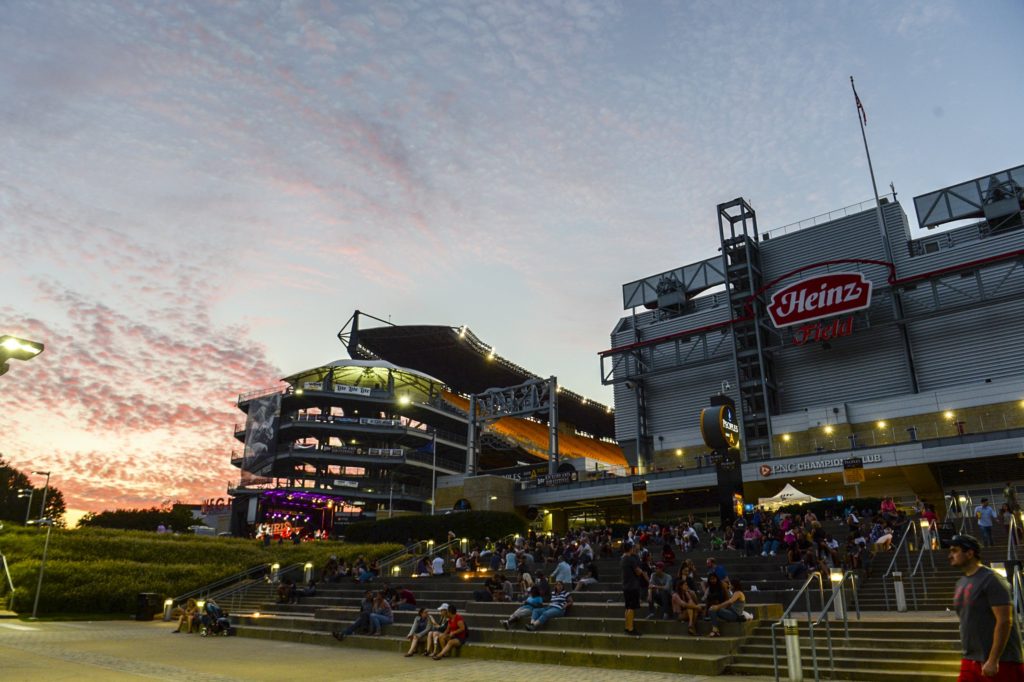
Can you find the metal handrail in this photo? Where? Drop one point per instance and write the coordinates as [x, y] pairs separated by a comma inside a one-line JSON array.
[[235, 593], [1011, 539], [1017, 599], [837, 590], [247, 574], [902, 548], [400, 557], [918, 566], [807, 605]]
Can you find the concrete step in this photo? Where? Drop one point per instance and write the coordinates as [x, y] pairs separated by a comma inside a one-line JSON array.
[[921, 662], [493, 633], [701, 664]]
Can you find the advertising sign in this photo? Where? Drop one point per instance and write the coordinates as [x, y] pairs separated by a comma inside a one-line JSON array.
[[815, 298], [639, 492], [719, 427]]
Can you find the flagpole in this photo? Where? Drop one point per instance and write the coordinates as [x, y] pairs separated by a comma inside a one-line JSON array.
[[433, 473], [861, 118], [886, 246]]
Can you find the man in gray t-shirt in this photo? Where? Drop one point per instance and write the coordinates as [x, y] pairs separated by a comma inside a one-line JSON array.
[[988, 639]]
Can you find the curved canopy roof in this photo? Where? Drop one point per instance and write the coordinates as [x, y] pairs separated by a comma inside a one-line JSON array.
[[466, 365]]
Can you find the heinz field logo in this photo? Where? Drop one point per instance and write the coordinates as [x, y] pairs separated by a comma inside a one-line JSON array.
[[814, 298]]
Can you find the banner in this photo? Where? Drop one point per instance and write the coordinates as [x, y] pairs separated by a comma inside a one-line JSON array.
[[639, 492], [357, 390], [261, 432]]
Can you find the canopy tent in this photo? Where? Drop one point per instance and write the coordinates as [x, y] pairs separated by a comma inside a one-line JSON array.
[[788, 495]]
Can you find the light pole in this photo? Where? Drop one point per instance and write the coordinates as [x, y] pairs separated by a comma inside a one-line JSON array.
[[27, 492], [46, 488], [42, 566]]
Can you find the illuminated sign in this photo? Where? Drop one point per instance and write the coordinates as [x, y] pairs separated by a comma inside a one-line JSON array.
[[767, 470], [816, 298], [719, 427]]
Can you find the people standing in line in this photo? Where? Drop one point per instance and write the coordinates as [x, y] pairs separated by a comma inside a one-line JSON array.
[[989, 642], [986, 516], [634, 580]]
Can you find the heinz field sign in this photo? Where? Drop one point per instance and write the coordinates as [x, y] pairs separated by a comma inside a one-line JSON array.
[[815, 298]]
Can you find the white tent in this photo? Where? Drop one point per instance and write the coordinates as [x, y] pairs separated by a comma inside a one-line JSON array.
[[788, 495]]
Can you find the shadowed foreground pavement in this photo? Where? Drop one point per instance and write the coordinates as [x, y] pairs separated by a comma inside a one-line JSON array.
[[126, 650]]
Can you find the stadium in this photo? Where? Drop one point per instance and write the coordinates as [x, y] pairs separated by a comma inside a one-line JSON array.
[[843, 343]]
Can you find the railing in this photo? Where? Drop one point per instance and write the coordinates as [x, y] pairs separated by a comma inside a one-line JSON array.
[[390, 561], [825, 217], [257, 571], [919, 566], [1017, 594], [837, 593], [1011, 539], [960, 506], [909, 534], [231, 598], [805, 593]]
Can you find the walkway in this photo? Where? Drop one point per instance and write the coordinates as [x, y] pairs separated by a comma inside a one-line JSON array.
[[125, 650]]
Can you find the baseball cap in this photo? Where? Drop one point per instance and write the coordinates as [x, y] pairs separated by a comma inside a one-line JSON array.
[[442, 607], [964, 542]]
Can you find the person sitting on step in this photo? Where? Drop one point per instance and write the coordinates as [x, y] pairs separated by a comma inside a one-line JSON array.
[[421, 627], [455, 636], [560, 602], [362, 621], [439, 627], [659, 592], [534, 600], [685, 606], [730, 610]]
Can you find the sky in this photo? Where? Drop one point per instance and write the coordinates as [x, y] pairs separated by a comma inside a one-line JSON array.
[[195, 196]]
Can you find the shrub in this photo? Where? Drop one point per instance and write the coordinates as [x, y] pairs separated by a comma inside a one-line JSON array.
[[475, 525], [103, 571]]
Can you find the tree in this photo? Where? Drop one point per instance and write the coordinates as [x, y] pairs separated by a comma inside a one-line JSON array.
[[13, 507], [177, 518]]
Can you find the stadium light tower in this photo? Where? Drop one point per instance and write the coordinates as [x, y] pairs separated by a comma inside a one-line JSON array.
[[13, 348]]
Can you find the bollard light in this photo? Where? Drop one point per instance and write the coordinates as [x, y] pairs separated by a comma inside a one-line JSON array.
[[201, 604], [255, 614], [836, 575], [395, 570], [962, 499], [168, 607]]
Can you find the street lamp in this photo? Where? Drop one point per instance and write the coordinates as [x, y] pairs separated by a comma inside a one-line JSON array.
[[13, 348], [42, 567], [46, 488], [27, 492]]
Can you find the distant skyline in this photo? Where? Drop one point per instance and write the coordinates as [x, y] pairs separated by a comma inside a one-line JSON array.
[[195, 196]]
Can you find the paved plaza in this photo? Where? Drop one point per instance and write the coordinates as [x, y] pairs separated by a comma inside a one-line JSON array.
[[126, 650]]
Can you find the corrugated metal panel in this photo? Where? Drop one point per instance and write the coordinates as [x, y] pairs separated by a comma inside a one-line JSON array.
[[625, 413], [854, 236], [675, 399], [868, 364], [973, 345]]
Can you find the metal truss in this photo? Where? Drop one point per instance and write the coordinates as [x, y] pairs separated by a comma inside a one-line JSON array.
[[522, 400], [646, 359], [688, 280]]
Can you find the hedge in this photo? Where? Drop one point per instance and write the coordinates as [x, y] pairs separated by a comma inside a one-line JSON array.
[[475, 525], [103, 571]]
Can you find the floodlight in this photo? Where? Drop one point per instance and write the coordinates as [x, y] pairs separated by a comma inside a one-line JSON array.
[[13, 348]]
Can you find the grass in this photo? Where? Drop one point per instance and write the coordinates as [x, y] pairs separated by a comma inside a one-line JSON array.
[[96, 571]]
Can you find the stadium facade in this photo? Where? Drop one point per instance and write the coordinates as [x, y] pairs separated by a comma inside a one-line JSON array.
[[839, 337], [841, 341]]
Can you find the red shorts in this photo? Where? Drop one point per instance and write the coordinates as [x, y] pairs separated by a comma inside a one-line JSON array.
[[970, 671]]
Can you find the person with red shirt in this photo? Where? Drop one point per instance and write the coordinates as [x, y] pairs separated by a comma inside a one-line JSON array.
[[455, 636]]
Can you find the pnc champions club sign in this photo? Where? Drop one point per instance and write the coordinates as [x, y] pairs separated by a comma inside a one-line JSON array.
[[805, 303]]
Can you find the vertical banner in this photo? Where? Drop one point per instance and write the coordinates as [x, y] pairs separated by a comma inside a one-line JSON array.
[[261, 432]]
